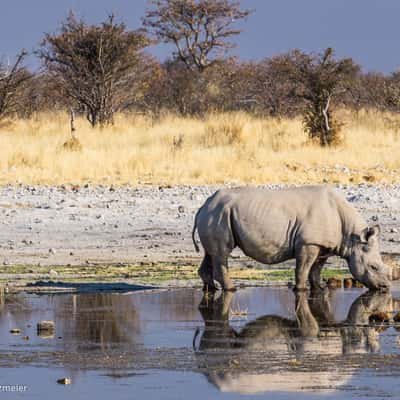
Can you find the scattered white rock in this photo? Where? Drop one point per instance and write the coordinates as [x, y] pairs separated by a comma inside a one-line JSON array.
[[141, 216], [45, 326]]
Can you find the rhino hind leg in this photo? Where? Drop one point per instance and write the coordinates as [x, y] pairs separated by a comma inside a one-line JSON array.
[[220, 269], [206, 274], [306, 256], [315, 273]]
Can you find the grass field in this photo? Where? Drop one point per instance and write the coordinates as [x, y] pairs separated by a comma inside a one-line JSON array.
[[222, 148]]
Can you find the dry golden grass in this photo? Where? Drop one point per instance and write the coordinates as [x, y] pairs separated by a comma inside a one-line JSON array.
[[234, 148]]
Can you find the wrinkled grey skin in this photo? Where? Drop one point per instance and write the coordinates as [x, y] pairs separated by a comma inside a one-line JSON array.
[[309, 223]]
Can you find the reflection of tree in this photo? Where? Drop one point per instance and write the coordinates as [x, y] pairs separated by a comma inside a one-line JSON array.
[[174, 305], [97, 320], [16, 308]]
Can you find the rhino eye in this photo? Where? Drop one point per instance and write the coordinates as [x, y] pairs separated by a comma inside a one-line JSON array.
[[374, 267]]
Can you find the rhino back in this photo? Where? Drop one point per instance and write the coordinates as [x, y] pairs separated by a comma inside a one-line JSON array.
[[268, 224]]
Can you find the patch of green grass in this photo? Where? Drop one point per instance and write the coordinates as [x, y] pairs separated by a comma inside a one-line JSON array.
[[332, 273], [288, 274], [283, 274], [151, 273]]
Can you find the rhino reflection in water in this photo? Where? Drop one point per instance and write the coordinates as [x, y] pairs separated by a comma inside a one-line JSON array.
[[277, 345]]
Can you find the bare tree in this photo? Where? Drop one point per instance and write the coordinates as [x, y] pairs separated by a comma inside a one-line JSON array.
[[268, 88], [322, 78], [12, 79], [393, 91], [198, 29], [41, 94], [100, 67], [371, 90]]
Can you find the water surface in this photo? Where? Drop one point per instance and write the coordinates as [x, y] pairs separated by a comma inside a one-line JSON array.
[[171, 343]]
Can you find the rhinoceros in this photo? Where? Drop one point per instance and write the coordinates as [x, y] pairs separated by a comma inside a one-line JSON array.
[[309, 223]]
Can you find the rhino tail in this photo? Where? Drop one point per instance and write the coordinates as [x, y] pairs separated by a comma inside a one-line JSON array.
[[195, 337], [196, 246]]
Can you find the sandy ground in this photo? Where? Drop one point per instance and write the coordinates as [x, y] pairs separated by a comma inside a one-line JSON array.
[[103, 225]]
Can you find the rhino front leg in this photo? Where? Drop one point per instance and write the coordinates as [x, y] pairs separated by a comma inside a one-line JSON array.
[[214, 308], [308, 325], [315, 273], [306, 256], [220, 268]]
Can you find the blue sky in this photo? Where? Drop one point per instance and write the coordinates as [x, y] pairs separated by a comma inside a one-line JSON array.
[[367, 30]]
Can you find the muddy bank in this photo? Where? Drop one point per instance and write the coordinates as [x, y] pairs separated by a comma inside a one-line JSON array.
[[88, 225], [110, 278]]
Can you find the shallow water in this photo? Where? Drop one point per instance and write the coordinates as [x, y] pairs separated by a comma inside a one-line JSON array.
[[171, 344]]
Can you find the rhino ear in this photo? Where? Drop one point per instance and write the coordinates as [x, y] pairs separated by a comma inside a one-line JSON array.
[[370, 235]]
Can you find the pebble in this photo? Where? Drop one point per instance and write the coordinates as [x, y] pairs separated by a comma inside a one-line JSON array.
[[334, 283], [357, 284], [379, 317], [45, 326], [64, 381], [348, 283]]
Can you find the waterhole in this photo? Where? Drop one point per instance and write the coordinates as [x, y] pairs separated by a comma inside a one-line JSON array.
[[174, 343]]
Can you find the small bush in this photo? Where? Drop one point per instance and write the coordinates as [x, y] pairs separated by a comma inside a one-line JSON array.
[[315, 125], [72, 144]]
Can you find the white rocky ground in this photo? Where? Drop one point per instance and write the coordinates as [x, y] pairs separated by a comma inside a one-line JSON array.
[[66, 225]]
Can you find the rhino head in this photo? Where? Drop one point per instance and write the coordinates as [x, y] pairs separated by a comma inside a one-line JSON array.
[[365, 261]]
